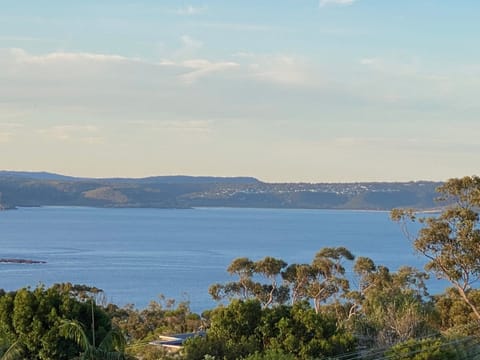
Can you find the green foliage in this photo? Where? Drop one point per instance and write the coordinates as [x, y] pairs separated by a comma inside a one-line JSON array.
[[9, 351], [246, 288], [244, 329], [450, 240], [320, 281], [111, 348], [164, 317], [453, 313], [158, 318], [328, 275], [270, 355], [389, 307], [297, 278], [33, 318], [309, 334], [435, 349]]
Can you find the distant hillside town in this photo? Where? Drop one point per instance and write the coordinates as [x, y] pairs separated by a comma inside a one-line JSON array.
[[24, 189]]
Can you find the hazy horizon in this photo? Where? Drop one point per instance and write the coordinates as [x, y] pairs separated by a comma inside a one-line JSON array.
[[289, 91]]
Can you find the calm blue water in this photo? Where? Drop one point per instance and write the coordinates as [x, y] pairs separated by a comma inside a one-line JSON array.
[[136, 254]]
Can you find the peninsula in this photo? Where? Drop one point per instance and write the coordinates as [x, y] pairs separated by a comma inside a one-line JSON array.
[[25, 189]]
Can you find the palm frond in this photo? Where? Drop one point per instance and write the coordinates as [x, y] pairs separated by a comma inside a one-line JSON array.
[[113, 341], [73, 330], [14, 352]]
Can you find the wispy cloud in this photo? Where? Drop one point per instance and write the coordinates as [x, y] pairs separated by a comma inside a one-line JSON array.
[[96, 87], [201, 67], [22, 56], [73, 133], [278, 68], [189, 10], [238, 26], [323, 3], [86, 69], [401, 67]]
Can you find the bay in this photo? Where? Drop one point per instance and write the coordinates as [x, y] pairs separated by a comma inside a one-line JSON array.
[[135, 255]]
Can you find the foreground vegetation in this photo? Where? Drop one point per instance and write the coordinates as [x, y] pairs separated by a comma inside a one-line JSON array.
[[275, 310]]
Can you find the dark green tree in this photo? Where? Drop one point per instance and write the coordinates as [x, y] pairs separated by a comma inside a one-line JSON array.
[[308, 334], [435, 348], [245, 328], [232, 332], [33, 317]]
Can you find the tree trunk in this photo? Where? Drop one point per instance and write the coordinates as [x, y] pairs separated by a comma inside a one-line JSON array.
[[467, 300]]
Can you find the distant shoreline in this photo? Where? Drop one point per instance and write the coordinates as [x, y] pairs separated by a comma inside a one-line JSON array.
[[186, 192], [418, 211]]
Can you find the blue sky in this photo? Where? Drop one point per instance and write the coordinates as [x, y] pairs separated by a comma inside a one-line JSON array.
[[294, 90]]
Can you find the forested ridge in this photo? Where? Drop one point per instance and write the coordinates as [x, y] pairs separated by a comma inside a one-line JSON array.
[[275, 310], [42, 189]]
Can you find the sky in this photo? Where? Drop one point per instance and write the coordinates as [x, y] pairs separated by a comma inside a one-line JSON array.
[[285, 91]]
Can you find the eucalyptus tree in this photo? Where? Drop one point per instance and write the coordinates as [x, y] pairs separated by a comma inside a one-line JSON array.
[[450, 241], [367, 276], [454, 314], [271, 269], [319, 281], [387, 307], [327, 278], [297, 277], [243, 268], [248, 285]]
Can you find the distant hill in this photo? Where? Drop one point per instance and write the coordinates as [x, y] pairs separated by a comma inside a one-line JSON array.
[[170, 179], [44, 189], [41, 175]]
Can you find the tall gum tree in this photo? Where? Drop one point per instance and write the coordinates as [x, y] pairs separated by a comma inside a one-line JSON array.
[[328, 274], [451, 240], [270, 268]]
